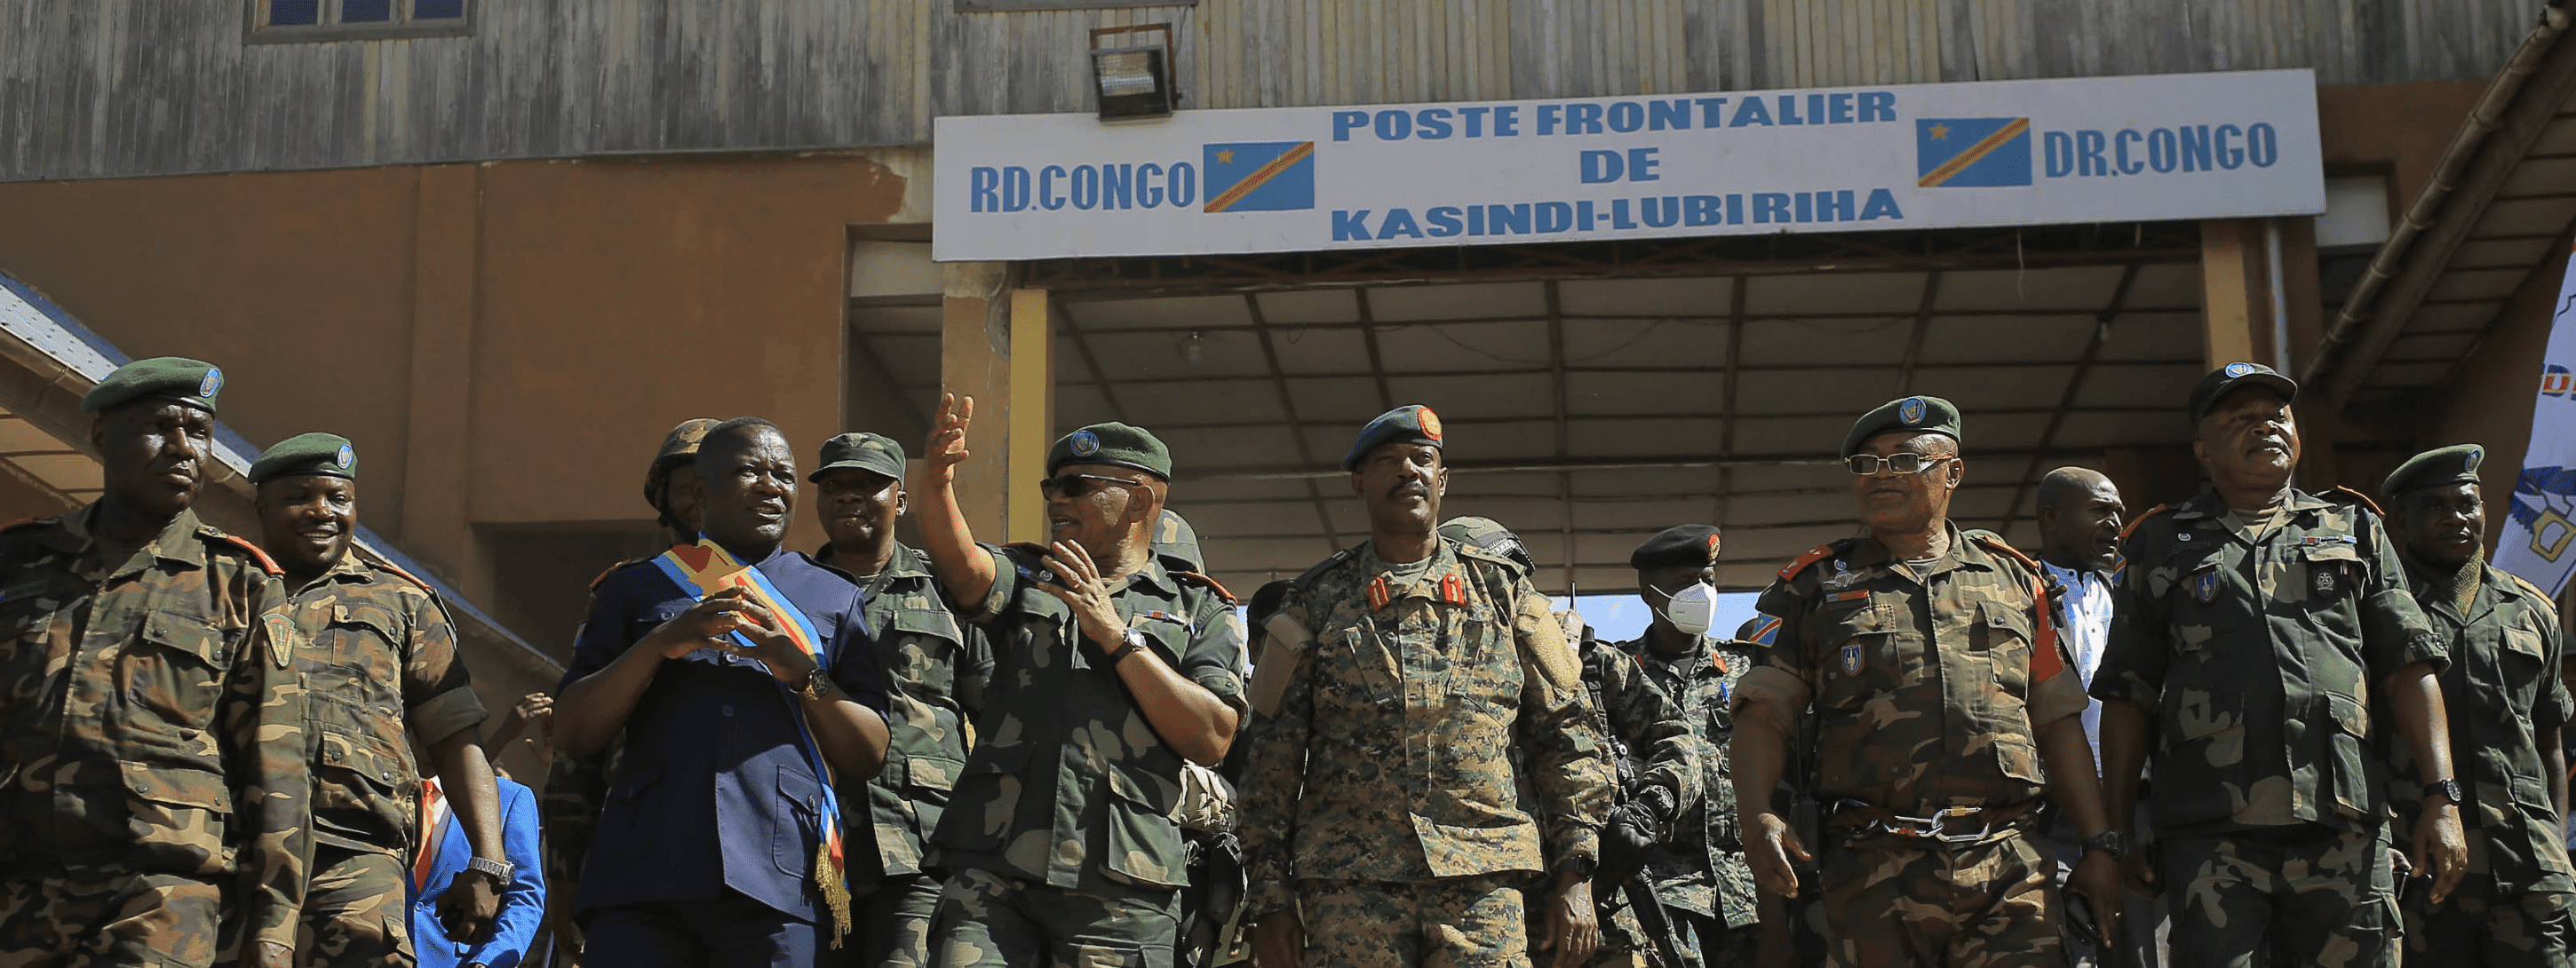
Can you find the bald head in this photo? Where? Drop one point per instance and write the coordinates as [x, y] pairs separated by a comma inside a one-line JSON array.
[[2079, 519]]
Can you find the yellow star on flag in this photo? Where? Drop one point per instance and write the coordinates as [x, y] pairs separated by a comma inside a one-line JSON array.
[[1940, 132], [1225, 157]]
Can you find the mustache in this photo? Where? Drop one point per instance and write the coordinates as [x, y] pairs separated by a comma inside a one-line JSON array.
[[1409, 487]]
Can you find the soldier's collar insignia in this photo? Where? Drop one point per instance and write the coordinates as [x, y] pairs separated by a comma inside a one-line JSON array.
[[212, 384], [1085, 443], [1911, 411], [2235, 370]]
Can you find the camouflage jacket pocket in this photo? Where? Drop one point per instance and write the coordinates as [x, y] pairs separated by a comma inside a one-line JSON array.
[[2353, 771], [2329, 573], [179, 818], [1144, 844], [362, 791], [2003, 634], [987, 795], [174, 670], [2203, 754], [924, 772], [1857, 653]]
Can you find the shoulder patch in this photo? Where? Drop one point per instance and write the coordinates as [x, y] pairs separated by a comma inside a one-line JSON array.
[[1307, 579], [222, 537], [2142, 519], [1544, 641], [1813, 555], [2345, 495], [1202, 581], [1995, 543]]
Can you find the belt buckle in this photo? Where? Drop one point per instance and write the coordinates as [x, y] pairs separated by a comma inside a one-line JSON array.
[[1940, 824]]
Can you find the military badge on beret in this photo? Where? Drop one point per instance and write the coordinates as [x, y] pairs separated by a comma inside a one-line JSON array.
[[2235, 370], [2476, 456], [1911, 411], [213, 382], [1430, 424], [1851, 658], [1085, 443], [346, 458]]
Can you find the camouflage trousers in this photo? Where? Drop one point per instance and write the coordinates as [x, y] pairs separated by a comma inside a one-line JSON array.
[[990, 920], [157, 920], [894, 922], [2534, 928], [355, 911], [1452, 922], [1901, 902], [2305, 895], [1624, 943]]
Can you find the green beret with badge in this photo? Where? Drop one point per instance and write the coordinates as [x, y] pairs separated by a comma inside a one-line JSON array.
[[1679, 546], [2235, 376], [2456, 464], [874, 453], [1115, 444], [1931, 415], [1411, 423], [177, 379], [313, 453]]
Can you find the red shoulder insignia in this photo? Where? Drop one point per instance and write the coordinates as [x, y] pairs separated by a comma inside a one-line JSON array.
[[2142, 519], [1997, 545], [1203, 581], [1819, 553], [2345, 495], [405, 575], [265, 562]]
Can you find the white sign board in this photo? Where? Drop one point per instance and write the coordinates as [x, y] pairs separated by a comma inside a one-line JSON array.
[[2104, 149]]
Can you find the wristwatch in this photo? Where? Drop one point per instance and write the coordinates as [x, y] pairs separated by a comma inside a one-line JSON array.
[[2110, 842], [1130, 642], [818, 684], [2447, 788], [500, 871]]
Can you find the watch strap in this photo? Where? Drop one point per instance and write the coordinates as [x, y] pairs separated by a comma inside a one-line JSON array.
[[817, 685], [499, 871], [1128, 644]]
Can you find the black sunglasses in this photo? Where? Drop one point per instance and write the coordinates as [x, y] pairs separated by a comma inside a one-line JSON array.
[[1073, 486]]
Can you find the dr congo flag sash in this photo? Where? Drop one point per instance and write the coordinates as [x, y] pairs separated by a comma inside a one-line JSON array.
[[704, 569]]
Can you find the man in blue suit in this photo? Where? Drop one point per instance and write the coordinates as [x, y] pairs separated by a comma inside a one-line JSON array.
[[739, 716], [443, 854]]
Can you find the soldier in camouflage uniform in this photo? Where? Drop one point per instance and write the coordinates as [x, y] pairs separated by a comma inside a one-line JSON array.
[[1700, 871], [1422, 756], [1110, 669], [2507, 705], [1940, 689], [380, 672], [2249, 629], [576, 786], [936, 671], [1660, 776], [155, 781]]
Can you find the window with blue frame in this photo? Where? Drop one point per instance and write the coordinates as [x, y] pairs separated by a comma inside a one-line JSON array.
[[292, 20]]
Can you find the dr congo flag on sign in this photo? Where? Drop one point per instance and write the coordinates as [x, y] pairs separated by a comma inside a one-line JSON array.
[[1971, 152], [1260, 176]]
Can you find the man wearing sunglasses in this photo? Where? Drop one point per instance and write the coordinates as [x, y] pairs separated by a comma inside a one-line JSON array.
[[2253, 632], [1940, 688], [1422, 760], [1110, 669]]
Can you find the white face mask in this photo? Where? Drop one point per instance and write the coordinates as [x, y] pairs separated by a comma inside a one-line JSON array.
[[1693, 609]]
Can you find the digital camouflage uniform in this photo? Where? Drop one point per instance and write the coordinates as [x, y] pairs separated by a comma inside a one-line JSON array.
[[155, 777], [1059, 834], [936, 671], [1421, 752], [1930, 690], [2506, 700], [1701, 869], [1636, 715], [380, 668], [2256, 646]]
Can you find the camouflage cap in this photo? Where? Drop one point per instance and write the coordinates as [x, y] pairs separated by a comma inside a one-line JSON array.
[[1412, 423], [1692, 545], [1112, 443], [2228, 379], [874, 453], [1489, 535], [314, 453], [1931, 415], [678, 447], [1176, 541], [174, 378], [2456, 464]]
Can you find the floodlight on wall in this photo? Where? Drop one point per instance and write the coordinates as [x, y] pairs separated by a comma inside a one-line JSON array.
[[1134, 79]]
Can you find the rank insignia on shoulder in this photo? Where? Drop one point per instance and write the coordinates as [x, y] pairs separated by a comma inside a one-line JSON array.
[[1379, 593], [1452, 589], [1851, 658], [2204, 585]]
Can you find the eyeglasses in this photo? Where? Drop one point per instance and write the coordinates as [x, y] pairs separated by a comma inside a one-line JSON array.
[[1074, 486], [1867, 464]]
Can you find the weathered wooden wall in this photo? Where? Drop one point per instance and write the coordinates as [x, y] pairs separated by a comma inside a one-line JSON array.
[[92, 88]]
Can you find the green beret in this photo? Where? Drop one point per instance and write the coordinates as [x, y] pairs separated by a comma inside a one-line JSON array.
[[2456, 464], [314, 453], [1112, 443], [1176, 542], [175, 378], [1411, 423], [874, 453], [1489, 535], [2226, 379], [1931, 415], [1694, 545]]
